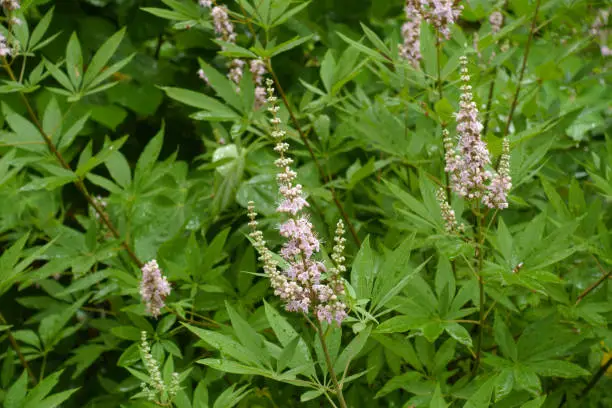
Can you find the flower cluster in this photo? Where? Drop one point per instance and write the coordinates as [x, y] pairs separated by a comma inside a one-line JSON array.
[[467, 163], [258, 69], [410, 50], [598, 29], [9, 5], [301, 285], [5, 50], [441, 14], [154, 287], [224, 29], [496, 19], [156, 389]]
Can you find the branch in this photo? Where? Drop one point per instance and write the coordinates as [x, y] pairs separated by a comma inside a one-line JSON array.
[[518, 86], [79, 182]]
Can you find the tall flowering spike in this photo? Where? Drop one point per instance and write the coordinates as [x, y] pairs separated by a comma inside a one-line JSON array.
[[496, 19], [497, 191], [154, 287], [302, 284], [410, 50], [441, 14], [469, 176]]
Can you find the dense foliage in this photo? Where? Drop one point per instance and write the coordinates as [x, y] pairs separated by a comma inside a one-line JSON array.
[[283, 203]]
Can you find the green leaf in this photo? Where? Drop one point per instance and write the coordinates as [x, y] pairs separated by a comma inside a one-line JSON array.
[[15, 395], [231, 396], [59, 76], [362, 272], [107, 150], [119, 169], [285, 334], [310, 395], [199, 100], [557, 368], [535, 403], [247, 335], [226, 345], [50, 328], [101, 58], [366, 50], [74, 61], [437, 400], [149, 156], [41, 29], [504, 384], [43, 389], [225, 88], [287, 45], [504, 339], [351, 350], [482, 397], [459, 333], [526, 379]]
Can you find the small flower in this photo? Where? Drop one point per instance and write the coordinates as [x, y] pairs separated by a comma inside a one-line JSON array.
[[410, 50], [203, 76], [154, 287], [205, 3], [4, 48], [15, 21], [496, 19]]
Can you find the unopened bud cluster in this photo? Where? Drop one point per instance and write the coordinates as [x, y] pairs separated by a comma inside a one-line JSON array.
[[154, 288], [156, 389], [468, 164], [302, 284]]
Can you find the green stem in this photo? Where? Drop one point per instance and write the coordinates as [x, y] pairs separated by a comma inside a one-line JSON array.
[[479, 254], [43, 366], [522, 73], [17, 349], [79, 182], [438, 63], [330, 367], [602, 370]]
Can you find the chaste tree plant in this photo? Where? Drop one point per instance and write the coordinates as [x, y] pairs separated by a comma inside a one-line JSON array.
[[287, 203]]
